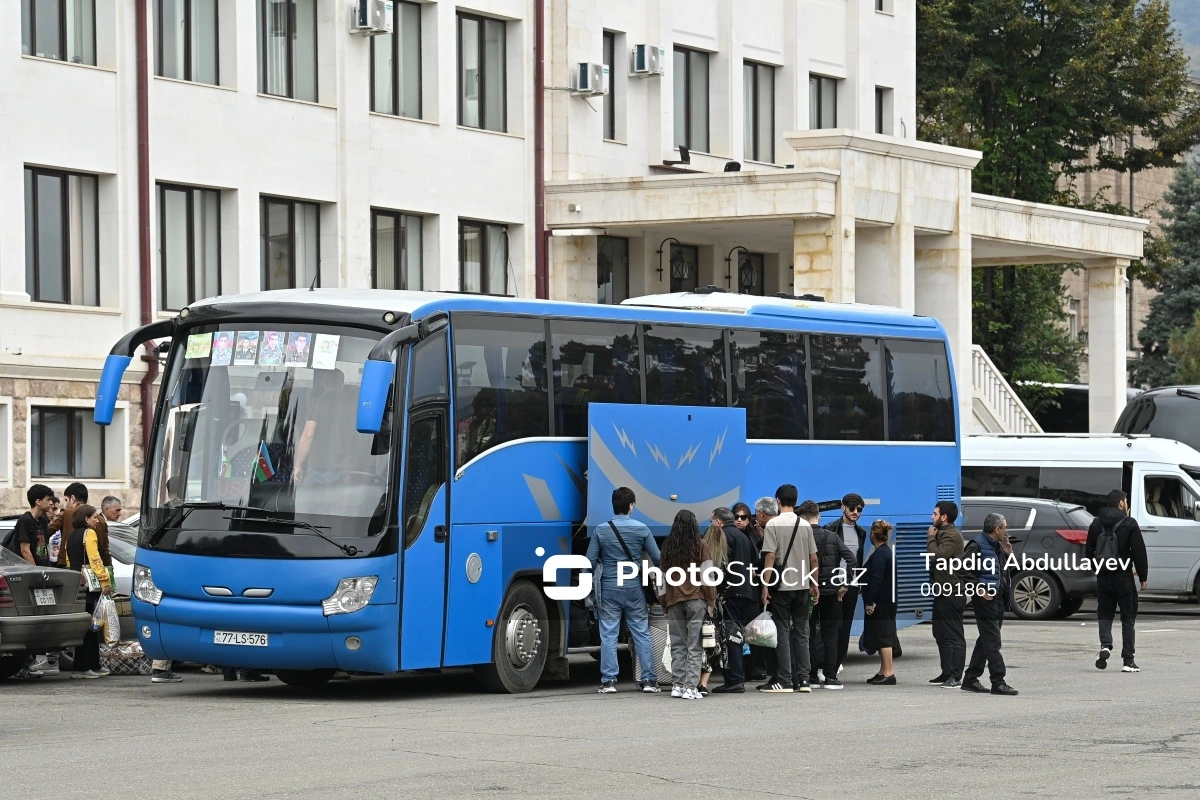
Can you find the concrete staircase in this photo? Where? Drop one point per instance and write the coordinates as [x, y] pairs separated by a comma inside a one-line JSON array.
[[996, 408]]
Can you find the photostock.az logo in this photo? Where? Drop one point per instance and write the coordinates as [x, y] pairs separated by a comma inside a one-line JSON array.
[[550, 576]]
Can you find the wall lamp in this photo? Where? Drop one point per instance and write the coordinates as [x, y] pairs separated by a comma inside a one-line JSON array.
[[660, 254], [729, 261]]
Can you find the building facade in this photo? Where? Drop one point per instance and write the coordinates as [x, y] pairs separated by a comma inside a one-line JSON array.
[[759, 147]]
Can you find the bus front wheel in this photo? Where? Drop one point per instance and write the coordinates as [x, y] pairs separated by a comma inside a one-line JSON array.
[[519, 643], [304, 677]]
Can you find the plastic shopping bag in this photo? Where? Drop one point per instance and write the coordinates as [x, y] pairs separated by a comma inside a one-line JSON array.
[[761, 631], [106, 620]]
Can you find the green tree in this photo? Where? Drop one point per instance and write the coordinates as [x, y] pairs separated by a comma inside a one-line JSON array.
[[1173, 310], [1043, 88], [1185, 350]]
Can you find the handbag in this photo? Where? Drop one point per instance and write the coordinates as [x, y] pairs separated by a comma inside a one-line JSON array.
[[93, 583], [652, 593]]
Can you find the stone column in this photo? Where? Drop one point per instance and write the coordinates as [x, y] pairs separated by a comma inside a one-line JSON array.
[[1107, 328], [823, 250], [574, 275]]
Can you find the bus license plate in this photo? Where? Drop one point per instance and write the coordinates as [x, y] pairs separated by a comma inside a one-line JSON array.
[[43, 597], [240, 638]]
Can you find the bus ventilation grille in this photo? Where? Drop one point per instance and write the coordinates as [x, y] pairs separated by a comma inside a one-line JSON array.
[[911, 575], [947, 491]]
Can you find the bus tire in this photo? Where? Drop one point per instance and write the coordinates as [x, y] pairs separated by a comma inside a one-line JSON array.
[[304, 677], [519, 644], [1036, 595]]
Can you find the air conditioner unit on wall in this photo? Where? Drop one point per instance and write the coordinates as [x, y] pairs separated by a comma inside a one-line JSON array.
[[372, 17], [590, 79], [648, 60]]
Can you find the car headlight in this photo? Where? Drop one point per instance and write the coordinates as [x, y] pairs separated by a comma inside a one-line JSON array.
[[143, 586], [352, 594]]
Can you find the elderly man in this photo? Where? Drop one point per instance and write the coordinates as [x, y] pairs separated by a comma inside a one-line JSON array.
[[111, 508], [986, 557]]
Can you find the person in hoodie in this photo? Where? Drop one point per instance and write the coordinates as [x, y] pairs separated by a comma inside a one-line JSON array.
[[1115, 534], [989, 554]]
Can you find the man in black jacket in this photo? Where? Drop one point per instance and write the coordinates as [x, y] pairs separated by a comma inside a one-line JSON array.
[[832, 554], [855, 537], [1115, 535], [737, 593]]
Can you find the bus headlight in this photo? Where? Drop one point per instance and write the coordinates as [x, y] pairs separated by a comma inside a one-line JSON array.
[[352, 594], [143, 586]]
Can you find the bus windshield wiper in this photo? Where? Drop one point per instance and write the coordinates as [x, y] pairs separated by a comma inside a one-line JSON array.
[[181, 512], [314, 530]]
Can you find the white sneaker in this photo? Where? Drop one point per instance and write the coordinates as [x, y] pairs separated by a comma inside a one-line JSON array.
[[690, 694], [679, 691], [840, 668], [89, 675], [695, 694], [104, 672], [820, 676]]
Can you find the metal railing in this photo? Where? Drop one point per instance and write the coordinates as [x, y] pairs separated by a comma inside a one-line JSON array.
[[997, 405]]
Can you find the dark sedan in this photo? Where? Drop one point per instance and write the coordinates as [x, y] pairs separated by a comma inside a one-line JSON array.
[[1043, 531], [41, 611]]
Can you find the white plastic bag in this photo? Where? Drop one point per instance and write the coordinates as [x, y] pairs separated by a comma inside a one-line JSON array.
[[666, 659], [107, 621], [761, 631]]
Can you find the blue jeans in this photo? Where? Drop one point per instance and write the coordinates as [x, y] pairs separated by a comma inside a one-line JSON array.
[[627, 600]]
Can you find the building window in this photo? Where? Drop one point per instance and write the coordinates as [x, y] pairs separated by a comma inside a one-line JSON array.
[[758, 106], [287, 48], [395, 250], [291, 243], [612, 269], [751, 273], [186, 33], [822, 102], [396, 65], [482, 257], [610, 99], [62, 237], [189, 244], [691, 99], [685, 267], [64, 30], [883, 110], [65, 443], [482, 82]]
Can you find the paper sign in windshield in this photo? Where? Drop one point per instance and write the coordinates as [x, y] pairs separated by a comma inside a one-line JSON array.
[[199, 345], [271, 353], [325, 350], [222, 350], [299, 344], [247, 349]]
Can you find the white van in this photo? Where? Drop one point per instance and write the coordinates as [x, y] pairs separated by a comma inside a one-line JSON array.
[[1161, 477]]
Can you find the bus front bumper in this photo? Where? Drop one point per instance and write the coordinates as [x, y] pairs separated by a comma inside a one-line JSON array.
[[296, 637]]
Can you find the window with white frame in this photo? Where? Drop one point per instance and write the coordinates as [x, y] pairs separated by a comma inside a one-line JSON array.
[[65, 443], [62, 237]]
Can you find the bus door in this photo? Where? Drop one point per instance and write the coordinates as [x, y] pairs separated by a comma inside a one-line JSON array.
[[425, 512]]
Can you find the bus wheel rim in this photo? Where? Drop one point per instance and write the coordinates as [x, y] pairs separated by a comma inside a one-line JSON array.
[[522, 637]]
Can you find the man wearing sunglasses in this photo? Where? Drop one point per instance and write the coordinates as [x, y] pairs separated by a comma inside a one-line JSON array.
[[855, 538]]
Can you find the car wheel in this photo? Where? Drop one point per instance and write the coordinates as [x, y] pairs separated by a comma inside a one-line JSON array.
[[1069, 606], [522, 634], [304, 677], [1036, 595], [10, 665]]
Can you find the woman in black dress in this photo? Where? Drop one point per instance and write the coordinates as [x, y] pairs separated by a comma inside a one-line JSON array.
[[879, 602]]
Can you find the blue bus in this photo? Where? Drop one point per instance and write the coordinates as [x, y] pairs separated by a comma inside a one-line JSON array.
[[373, 481]]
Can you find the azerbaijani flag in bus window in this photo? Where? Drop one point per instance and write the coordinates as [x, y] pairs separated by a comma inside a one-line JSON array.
[[264, 470]]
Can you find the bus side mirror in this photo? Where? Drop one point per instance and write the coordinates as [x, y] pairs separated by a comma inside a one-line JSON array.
[[377, 378], [110, 387]]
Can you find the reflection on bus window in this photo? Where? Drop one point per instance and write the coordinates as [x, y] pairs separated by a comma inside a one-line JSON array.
[[769, 382], [594, 362], [920, 403], [847, 379], [685, 366]]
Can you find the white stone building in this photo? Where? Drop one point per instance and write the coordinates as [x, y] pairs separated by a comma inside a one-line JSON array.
[[277, 143]]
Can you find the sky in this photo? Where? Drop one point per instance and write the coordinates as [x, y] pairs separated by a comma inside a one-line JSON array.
[[1187, 19]]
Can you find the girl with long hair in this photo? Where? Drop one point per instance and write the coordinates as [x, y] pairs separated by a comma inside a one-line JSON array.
[[744, 519], [686, 601], [82, 549]]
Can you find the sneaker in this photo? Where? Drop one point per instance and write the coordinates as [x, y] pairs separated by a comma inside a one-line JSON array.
[[698, 693], [253, 676], [88, 675], [832, 683], [27, 674], [701, 690], [1130, 666], [678, 691], [820, 677], [952, 683], [941, 678], [608, 687], [688, 694], [1004, 689], [840, 668], [209, 669], [164, 676], [775, 687], [1102, 657], [104, 672], [649, 687], [730, 688]]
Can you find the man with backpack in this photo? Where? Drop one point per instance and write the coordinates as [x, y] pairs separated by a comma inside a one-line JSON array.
[[1115, 538], [832, 553]]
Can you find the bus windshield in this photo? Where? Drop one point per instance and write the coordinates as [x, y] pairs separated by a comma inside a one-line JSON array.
[[257, 436]]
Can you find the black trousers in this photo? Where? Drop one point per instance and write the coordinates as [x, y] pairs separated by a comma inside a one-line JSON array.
[[741, 611], [87, 655], [949, 635], [989, 616], [1115, 589], [823, 631], [849, 606]]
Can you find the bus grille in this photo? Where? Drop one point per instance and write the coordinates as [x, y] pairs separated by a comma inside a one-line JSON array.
[[947, 491], [911, 575]]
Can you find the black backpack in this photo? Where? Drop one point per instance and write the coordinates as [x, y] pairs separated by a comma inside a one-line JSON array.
[[829, 558], [1106, 544]]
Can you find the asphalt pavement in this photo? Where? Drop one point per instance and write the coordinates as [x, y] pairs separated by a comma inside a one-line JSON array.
[[1073, 732]]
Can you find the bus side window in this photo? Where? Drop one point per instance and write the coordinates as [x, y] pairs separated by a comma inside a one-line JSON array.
[[847, 380], [594, 362], [424, 473], [685, 366], [769, 381], [920, 403]]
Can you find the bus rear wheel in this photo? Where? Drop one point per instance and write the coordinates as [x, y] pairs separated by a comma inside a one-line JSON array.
[[519, 643], [304, 677]]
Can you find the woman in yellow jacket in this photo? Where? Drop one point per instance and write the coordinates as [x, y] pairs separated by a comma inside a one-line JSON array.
[[82, 548]]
